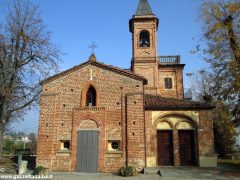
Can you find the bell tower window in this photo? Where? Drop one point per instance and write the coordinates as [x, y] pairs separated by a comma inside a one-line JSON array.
[[144, 40], [91, 97]]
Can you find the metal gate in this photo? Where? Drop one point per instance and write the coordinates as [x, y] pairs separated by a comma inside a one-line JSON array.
[[87, 151]]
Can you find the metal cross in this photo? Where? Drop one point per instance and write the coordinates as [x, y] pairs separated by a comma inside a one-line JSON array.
[[93, 46]]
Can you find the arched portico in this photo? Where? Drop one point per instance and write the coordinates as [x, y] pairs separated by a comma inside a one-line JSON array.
[[176, 139]]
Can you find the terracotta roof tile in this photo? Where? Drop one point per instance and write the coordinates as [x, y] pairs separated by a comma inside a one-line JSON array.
[[156, 102]]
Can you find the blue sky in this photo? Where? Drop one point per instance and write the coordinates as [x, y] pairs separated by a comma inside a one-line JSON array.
[[76, 23]]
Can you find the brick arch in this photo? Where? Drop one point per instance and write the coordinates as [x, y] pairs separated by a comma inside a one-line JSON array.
[[188, 121], [182, 114], [88, 124], [89, 116], [85, 90], [162, 120], [78, 118], [187, 118]]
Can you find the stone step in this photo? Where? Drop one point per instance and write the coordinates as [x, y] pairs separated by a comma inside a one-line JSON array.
[[152, 170]]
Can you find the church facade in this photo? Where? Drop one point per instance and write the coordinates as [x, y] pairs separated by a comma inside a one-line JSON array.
[[97, 118]]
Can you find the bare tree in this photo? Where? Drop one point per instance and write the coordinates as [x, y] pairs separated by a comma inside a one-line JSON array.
[[221, 49], [201, 85], [26, 56]]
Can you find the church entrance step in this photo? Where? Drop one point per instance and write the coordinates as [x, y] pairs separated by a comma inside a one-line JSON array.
[[152, 170]]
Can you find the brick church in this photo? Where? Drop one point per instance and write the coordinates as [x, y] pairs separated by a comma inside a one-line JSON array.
[[97, 118]]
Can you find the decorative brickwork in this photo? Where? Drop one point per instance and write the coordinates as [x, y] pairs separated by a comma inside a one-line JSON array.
[[63, 112], [119, 108]]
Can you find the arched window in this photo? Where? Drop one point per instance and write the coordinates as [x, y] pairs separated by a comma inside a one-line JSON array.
[[144, 40], [91, 96]]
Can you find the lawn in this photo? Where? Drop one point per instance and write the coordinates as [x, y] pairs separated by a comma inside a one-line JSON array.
[[229, 162], [7, 166]]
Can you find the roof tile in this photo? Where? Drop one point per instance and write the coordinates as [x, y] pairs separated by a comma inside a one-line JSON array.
[[156, 102]]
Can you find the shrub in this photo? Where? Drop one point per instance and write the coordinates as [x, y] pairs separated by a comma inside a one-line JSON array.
[[127, 171], [39, 170]]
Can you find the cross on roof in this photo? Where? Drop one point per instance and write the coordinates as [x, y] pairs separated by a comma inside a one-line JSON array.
[[93, 46]]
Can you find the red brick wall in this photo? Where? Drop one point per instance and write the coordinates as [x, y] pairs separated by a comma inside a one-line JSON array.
[[145, 61], [135, 130], [62, 108], [205, 134], [149, 24], [47, 132], [176, 74]]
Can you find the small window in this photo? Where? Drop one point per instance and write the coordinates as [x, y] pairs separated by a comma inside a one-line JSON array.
[[168, 83], [91, 97], [113, 145], [65, 145], [144, 40]]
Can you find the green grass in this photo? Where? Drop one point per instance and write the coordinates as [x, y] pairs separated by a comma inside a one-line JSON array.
[[9, 166], [229, 162]]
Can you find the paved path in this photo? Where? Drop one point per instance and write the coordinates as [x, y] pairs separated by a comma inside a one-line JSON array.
[[103, 176], [168, 173], [198, 173]]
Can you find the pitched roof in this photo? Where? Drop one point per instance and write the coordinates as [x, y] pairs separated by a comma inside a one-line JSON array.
[[98, 64], [156, 102], [144, 8]]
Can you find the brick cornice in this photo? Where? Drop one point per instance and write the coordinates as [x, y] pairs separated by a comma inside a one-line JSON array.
[[89, 109], [98, 64]]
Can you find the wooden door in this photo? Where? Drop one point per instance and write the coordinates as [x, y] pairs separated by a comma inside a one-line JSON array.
[[186, 147], [87, 152], [165, 147]]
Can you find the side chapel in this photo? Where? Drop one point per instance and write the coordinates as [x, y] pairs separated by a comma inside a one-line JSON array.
[[97, 118]]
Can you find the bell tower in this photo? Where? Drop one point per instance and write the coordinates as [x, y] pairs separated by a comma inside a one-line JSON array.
[[143, 26]]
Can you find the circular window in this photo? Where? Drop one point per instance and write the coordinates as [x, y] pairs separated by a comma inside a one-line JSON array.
[[115, 145]]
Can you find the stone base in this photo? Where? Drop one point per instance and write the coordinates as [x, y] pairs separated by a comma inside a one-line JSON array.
[[23, 167], [208, 161], [151, 162]]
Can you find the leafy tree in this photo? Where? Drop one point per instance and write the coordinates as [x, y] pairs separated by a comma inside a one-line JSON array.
[[11, 145], [221, 38], [26, 56], [224, 130]]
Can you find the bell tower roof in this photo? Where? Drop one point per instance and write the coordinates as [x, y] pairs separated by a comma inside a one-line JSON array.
[[144, 8]]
